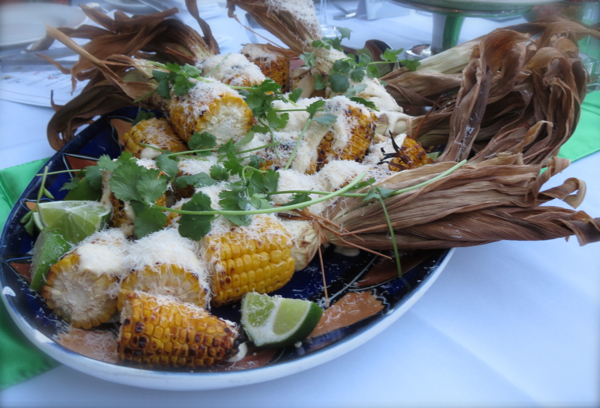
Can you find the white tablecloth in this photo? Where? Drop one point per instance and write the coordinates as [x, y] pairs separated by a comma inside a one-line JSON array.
[[506, 324]]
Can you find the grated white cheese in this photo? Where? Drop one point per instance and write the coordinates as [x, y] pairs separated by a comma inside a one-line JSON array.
[[103, 253], [232, 69]]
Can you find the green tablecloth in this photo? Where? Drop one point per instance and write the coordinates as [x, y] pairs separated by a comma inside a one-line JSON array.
[[21, 360]]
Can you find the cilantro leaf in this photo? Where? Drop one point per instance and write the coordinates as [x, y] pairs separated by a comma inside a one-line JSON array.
[[164, 90], [260, 202], [271, 180], [320, 44], [147, 219], [151, 185], [197, 180], [167, 165], [309, 58], [355, 90], [315, 106], [219, 173], [93, 175], [71, 184], [339, 83], [255, 161], [123, 182], [363, 101], [195, 226], [299, 198], [233, 201], [343, 66], [364, 59], [358, 74], [327, 119], [410, 64], [295, 95], [142, 115], [202, 140], [391, 55], [233, 164], [160, 75], [373, 71], [106, 163], [227, 148], [277, 121], [320, 82]]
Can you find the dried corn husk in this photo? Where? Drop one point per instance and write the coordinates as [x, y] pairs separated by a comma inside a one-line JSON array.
[[493, 200], [295, 23], [516, 95], [125, 41]]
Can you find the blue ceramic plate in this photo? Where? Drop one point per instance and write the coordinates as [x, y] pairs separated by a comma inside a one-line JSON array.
[[365, 293]]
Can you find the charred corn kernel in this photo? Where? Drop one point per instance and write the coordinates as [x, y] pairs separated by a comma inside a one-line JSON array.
[[351, 136], [165, 279], [123, 216], [188, 336], [408, 156], [210, 107], [273, 64], [252, 258], [153, 132], [165, 263], [232, 69], [82, 287]]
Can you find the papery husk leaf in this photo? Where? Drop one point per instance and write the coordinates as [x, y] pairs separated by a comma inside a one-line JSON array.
[[209, 38], [493, 200], [100, 99], [294, 30]]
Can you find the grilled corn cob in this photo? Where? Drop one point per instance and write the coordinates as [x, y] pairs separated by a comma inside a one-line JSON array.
[[153, 132], [273, 64], [82, 287], [210, 107], [407, 155], [232, 69], [244, 259], [165, 263], [158, 331], [351, 135], [123, 215]]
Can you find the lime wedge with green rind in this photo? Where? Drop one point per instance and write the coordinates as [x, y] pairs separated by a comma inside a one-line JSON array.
[[274, 321], [48, 249], [74, 220]]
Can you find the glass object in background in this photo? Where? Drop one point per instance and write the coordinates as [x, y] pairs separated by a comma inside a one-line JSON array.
[[327, 30], [589, 48]]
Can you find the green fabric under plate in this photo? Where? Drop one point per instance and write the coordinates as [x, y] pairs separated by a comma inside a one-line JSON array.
[[21, 360], [586, 139]]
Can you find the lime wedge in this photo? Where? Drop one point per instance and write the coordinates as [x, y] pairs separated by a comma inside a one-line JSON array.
[[48, 249], [74, 220], [273, 321]]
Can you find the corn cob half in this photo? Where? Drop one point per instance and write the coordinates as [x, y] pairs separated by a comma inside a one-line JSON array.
[[351, 135], [165, 263], [273, 64], [408, 154], [82, 287], [210, 107], [153, 132], [251, 258], [159, 331]]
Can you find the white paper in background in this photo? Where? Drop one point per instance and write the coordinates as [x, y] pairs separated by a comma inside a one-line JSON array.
[[34, 87]]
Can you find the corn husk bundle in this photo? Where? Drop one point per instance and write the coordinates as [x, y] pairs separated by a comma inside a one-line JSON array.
[[492, 200], [150, 37], [515, 94]]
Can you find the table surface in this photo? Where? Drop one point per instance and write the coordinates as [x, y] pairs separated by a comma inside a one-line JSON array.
[[509, 323]]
